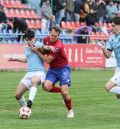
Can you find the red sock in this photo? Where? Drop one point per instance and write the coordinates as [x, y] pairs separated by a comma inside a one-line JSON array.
[[55, 89], [68, 104]]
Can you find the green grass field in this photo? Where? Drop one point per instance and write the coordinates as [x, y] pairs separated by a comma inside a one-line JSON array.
[[94, 108]]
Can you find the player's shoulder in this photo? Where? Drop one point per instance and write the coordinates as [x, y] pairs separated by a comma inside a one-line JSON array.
[[26, 47], [38, 44], [59, 42], [46, 40], [112, 37]]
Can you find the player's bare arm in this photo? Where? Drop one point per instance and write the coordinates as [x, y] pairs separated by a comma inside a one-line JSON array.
[[45, 47], [24, 60], [49, 48], [107, 53], [46, 59]]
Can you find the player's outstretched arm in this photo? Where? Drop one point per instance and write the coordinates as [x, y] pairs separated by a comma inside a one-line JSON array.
[[18, 59]]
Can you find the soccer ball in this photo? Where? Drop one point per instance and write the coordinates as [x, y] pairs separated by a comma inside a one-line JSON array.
[[24, 112]]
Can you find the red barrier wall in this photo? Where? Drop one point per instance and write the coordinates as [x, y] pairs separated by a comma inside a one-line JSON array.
[[83, 55], [79, 55]]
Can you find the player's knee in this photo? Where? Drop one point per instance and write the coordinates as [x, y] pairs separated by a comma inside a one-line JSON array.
[[65, 94], [47, 87], [17, 96], [107, 87]]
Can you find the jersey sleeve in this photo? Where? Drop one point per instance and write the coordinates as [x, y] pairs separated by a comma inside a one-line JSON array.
[[109, 44], [38, 44]]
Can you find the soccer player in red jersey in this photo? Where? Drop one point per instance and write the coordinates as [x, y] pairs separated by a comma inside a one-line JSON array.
[[59, 70]]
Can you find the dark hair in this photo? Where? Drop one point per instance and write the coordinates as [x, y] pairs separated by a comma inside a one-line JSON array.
[[45, 0], [116, 20], [29, 34], [12, 19], [90, 19], [56, 28]]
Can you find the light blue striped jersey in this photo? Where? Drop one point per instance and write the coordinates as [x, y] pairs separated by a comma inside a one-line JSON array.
[[114, 45], [33, 60]]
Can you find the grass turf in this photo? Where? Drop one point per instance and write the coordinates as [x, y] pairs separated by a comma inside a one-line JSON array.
[[94, 108]]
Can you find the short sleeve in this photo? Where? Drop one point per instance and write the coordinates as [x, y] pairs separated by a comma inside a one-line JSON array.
[[110, 44], [38, 44]]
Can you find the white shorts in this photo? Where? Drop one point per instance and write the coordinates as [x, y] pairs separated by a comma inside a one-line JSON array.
[[117, 69], [116, 77], [28, 77]]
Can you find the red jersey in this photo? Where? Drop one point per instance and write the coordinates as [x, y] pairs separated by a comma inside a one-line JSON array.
[[60, 59]]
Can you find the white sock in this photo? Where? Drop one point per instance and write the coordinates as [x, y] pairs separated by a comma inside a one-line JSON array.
[[115, 90], [22, 102], [32, 93]]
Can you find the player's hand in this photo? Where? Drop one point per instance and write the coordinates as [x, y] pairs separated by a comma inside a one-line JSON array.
[[12, 59], [101, 44], [52, 48]]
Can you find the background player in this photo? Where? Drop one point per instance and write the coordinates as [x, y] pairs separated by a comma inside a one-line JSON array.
[[113, 85]]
